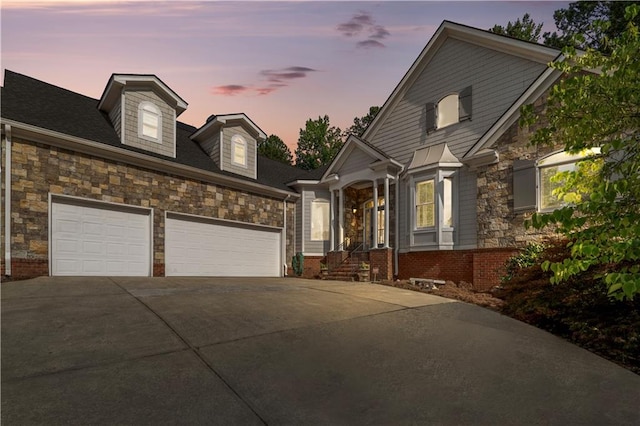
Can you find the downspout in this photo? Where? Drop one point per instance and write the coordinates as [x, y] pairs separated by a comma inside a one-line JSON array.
[[7, 200], [284, 237], [396, 243]]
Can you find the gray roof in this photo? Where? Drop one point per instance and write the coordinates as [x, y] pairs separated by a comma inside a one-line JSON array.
[[34, 102]]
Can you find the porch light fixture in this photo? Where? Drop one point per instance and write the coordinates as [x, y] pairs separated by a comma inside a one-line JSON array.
[[354, 209]]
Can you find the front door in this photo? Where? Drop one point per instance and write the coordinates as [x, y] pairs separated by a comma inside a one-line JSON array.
[[368, 223]]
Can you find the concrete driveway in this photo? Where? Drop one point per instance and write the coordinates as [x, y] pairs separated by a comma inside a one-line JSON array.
[[287, 351]]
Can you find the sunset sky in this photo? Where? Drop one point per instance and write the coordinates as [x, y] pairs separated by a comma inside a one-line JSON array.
[[281, 63]]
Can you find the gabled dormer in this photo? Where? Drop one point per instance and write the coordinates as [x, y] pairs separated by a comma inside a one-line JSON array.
[[231, 141], [143, 111]]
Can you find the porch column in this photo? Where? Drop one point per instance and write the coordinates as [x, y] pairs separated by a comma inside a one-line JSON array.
[[341, 218], [386, 212], [332, 206], [374, 218]]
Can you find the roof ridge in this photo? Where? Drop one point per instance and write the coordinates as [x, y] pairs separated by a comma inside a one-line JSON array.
[[48, 84]]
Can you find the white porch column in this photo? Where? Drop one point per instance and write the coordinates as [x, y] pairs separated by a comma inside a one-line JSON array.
[[374, 219], [341, 217], [332, 205], [386, 212]]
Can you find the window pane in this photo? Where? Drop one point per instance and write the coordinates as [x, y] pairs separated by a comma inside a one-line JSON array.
[[425, 216], [447, 198], [424, 192], [547, 185], [239, 153], [319, 220], [150, 123]]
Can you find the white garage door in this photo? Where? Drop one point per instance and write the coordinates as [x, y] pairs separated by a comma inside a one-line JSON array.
[[89, 238], [196, 247]]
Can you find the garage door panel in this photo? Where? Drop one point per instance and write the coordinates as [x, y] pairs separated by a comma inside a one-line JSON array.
[[98, 240], [220, 249]]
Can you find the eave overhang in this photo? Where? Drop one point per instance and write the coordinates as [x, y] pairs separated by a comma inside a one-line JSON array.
[[215, 122], [85, 146], [118, 82]]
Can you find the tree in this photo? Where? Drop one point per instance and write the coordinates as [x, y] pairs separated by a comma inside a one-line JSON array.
[[599, 109], [584, 20], [318, 143], [273, 147], [524, 29], [361, 123]]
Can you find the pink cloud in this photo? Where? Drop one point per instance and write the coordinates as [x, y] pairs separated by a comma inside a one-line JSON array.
[[229, 90]]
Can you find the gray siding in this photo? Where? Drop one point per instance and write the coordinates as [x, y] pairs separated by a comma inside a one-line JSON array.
[[299, 224], [132, 101], [358, 160], [467, 231], [116, 118], [227, 164], [212, 147], [313, 247], [497, 80]]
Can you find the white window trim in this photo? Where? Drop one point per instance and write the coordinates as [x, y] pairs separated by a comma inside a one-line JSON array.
[[238, 140], [141, 112], [326, 221], [547, 162], [438, 179], [414, 203]]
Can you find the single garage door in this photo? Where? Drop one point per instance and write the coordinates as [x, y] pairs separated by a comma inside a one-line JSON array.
[[204, 247], [91, 238]]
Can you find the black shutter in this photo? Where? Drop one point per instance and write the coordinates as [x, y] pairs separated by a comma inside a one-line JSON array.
[[430, 115], [464, 104], [524, 185]]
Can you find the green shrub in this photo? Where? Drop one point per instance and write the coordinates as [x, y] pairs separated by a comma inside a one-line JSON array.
[[577, 309]]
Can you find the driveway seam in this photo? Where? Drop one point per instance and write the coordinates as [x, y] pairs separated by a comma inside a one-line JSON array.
[[197, 353], [208, 345], [370, 298], [91, 366]]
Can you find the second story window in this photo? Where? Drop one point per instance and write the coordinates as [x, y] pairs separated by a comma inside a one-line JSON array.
[[239, 150], [149, 122]]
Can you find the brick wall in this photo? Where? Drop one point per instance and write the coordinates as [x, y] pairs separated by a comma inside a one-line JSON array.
[[39, 169], [383, 260], [481, 267]]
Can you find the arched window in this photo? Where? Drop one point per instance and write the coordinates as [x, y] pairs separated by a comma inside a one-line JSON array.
[[149, 121], [239, 150], [448, 111], [549, 167]]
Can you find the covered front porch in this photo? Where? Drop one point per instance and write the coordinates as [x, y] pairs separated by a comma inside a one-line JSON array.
[[363, 186]]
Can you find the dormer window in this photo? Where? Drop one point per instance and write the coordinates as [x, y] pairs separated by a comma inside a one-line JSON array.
[[239, 150], [149, 122]]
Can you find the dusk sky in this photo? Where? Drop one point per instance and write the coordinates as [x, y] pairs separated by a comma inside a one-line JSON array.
[[281, 63]]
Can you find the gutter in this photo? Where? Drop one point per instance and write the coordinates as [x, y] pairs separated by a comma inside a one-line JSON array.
[[284, 237], [396, 266], [7, 201], [50, 137]]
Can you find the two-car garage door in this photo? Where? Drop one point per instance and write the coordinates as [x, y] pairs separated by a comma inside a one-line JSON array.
[[95, 238], [207, 247]]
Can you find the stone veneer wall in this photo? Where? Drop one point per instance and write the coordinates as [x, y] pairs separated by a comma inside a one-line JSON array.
[[499, 226], [38, 169]]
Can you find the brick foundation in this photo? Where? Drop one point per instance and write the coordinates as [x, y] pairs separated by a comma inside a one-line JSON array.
[[312, 266], [383, 260], [158, 269], [27, 268], [482, 267]]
